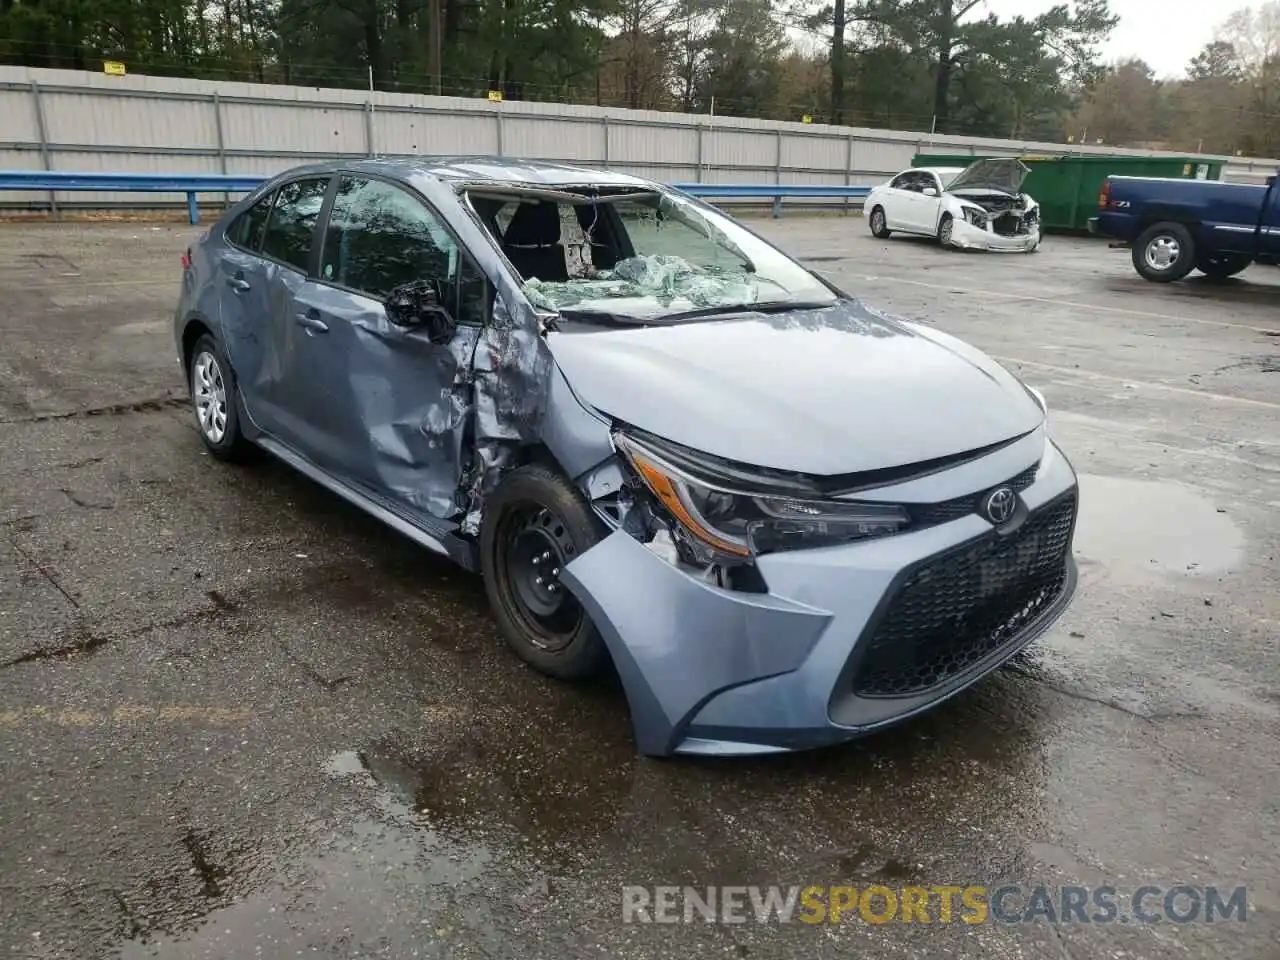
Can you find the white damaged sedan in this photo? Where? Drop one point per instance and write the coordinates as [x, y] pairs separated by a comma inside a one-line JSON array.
[[978, 207]]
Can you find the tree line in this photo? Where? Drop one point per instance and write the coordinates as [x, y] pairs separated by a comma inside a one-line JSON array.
[[941, 65], [1228, 102]]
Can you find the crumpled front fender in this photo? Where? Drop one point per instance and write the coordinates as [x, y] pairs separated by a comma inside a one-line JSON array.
[[677, 641]]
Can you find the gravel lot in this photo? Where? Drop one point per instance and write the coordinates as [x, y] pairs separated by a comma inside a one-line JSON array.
[[238, 718]]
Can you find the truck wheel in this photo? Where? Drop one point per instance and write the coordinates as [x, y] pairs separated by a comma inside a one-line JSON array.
[[1223, 266], [1164, 252]]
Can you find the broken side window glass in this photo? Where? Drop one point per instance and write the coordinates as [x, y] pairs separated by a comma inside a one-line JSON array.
[[247, 229]]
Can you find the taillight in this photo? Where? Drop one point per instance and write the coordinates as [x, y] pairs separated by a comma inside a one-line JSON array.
[[1104, 197], [186, 259]]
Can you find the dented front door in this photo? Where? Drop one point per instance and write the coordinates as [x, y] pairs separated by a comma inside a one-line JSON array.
[[390, 404]]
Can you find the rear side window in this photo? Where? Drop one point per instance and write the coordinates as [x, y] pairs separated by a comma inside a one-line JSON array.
[[247, 229], [292, 222], [914, 181]]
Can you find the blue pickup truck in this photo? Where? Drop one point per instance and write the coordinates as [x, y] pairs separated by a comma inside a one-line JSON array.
[[1176, 226]]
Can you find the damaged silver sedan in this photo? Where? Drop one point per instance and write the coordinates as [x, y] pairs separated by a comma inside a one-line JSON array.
[[784, 518]]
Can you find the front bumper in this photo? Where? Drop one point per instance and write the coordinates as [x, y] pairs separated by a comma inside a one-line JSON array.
[[968, 237], [848, 639]]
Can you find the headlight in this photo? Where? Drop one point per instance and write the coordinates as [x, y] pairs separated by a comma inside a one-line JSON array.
[[739, 524], [975, 216]]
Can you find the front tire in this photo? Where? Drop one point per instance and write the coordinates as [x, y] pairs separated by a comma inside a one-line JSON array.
[[879, 224], [1164, 252], [946, 230], [213, 399], [1223, 266], [535, 523]]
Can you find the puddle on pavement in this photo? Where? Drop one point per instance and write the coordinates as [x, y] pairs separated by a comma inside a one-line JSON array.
[[1139, 528], [390, 855], [448, 828], [529, 793]]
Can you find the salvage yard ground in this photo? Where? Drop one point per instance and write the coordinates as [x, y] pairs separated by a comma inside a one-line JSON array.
[[238, 717]]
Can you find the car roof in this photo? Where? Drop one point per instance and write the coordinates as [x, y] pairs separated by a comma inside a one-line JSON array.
[[481, 169], [941, 171]]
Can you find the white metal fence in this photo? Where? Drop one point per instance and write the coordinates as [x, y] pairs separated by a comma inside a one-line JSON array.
[[74, 120]]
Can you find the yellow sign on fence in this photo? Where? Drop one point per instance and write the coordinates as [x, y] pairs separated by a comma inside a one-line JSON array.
[[113, 68], [495, 96], [806, 119]]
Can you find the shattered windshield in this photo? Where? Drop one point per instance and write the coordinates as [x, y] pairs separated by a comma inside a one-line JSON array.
[[639, 255]]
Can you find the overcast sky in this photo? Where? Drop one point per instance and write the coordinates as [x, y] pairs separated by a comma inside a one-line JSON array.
[[1165, 33]]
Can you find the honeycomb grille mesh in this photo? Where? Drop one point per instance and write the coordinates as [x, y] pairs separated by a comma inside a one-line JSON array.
[[964, 605]]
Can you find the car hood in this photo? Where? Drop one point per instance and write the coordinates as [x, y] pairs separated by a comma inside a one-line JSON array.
[[826, 392], [1006, 174]]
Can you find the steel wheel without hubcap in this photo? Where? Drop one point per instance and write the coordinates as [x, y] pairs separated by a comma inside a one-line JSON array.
[[877, 221], [1162, 252], [535, 545], [209, 392]]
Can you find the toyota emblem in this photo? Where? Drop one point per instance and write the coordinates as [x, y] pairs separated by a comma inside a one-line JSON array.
[[1000, 504]]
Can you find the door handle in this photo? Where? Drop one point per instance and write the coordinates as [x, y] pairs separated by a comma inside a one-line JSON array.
[[311, 323], [238, 283]]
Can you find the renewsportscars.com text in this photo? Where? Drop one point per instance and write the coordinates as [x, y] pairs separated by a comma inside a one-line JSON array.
[[939, 903]]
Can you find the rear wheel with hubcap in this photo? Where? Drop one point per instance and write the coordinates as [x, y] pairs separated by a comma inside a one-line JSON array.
[[535, 524], [213, 395], [879, 224], [1164, 252]]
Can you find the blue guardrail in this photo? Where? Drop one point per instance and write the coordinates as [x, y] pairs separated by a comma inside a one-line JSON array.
[[194, 184]]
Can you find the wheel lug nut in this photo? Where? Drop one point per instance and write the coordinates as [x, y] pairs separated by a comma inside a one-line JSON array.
[[555, 571], [536, 561], [553, 588], [538, 581], [546, 555]]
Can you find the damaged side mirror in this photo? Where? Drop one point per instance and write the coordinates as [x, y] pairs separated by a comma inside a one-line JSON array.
[[416, 305]]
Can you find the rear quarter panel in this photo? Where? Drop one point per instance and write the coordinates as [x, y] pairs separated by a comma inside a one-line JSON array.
[[198, 295]]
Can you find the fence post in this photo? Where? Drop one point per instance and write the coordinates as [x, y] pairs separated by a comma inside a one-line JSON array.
[[777, 157], [604, 123], [222, 147], [368, 128], [497, 116], [44, 142], [848, 168], [698, 127]]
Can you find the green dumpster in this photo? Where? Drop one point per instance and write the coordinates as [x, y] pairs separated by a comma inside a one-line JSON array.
[[1067, 187]]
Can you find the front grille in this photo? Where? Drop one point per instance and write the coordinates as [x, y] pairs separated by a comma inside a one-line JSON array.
[[931, 514], [1009, 224], [962, 606]]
